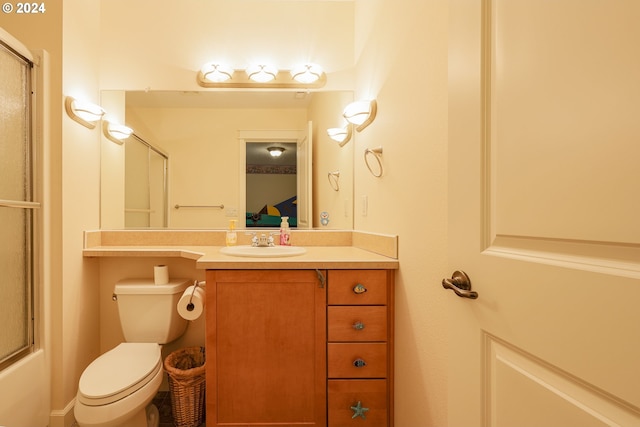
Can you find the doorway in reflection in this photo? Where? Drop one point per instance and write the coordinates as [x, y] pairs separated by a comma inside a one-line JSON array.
[[271, 183]]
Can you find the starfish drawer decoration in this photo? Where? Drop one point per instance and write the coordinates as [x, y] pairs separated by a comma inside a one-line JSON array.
[[359, 411]]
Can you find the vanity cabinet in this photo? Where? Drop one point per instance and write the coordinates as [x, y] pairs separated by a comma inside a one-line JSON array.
[[360, 348], [299, 348], [265, 348]]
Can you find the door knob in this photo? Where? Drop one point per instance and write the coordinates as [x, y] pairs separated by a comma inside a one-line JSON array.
[[460, 284]]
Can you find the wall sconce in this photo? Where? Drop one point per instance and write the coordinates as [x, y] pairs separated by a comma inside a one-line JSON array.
[[85, 113], [116, 132], [377, 154], [275, 151], [306, 73], [340, 135], [307, 76], [361, 113], [216, 72]]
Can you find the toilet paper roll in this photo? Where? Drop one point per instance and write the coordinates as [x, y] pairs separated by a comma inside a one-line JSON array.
[[191, 303], [160, 274]]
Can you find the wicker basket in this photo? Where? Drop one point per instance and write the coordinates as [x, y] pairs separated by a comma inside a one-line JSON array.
[[186, 370]]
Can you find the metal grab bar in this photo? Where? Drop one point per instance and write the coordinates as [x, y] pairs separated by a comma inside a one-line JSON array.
[[200, 206], [19, 204], [140, 211]]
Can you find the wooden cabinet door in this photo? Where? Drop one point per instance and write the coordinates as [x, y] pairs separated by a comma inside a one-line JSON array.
[[266, 348]]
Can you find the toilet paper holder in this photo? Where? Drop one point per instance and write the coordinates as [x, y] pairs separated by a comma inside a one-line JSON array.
[[190, 305]]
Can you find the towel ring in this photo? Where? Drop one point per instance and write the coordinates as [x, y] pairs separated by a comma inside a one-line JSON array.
[[333, 180], [377, 153]]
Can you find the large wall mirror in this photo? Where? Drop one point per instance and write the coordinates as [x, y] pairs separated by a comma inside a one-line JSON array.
[[145, 190], [216, 146]]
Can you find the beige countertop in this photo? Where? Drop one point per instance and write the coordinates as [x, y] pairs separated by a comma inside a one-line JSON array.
[[350, 250]]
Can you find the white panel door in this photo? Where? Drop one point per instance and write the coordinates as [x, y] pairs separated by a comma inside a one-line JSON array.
[[544, 210]]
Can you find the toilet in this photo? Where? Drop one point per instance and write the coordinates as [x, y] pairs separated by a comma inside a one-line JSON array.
[[117, 388]]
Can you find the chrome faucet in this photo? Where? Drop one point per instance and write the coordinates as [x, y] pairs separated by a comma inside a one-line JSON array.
[[264, 240]]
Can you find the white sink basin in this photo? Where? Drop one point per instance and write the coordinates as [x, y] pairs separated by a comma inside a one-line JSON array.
[[263, 251]]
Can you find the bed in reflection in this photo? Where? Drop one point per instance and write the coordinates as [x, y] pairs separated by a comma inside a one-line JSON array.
[[270, 215]]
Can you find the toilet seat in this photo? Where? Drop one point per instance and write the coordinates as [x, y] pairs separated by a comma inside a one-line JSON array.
[[119, 373]]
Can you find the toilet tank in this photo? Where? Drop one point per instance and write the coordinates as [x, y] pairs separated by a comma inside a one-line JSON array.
[[148, 312]]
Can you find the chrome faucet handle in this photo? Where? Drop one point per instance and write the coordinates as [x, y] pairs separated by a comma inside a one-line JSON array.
[[260, 240], [254, 238]]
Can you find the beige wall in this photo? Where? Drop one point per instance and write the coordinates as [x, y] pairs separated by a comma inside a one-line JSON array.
[[159, 45], [402, 62], [112, 166], [79, 314]]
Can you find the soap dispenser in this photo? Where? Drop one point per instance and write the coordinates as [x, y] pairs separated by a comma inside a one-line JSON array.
[[232, 237], [285, 232]]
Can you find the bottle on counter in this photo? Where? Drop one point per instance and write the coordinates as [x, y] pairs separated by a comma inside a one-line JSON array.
[[232, 236], [285, 231]]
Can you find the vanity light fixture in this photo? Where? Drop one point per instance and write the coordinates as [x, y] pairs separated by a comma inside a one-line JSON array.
[[215, 75], [216, 72], [361, 113], [340, 135], [116, 132], [261, 73], [85, 113], [275, 151], [306, 73]]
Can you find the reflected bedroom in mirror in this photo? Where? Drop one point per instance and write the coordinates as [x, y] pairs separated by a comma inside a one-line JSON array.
[[271, 184], [198, 159]]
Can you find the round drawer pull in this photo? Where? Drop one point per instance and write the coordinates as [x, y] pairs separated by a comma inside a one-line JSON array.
[[359, 289], [359, 363], [358, 326]]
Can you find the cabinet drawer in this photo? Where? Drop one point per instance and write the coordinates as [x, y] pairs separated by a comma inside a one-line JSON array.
[[353, 287], [357, 323], [345, 394], [357, 360]]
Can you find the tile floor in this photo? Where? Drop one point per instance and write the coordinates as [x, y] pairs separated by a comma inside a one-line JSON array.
[[163, 403]]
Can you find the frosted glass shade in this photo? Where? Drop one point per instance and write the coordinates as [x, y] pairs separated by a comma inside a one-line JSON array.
[[261, 73], [360, 113], [216, 72], [306, 73]]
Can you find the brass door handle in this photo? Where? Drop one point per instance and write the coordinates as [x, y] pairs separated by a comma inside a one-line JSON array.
[[460, 284]]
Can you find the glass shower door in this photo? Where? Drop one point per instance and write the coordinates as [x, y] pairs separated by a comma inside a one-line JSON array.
[[16, 207]]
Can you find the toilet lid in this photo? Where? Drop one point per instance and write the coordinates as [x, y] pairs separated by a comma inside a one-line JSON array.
[[119, 372]]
